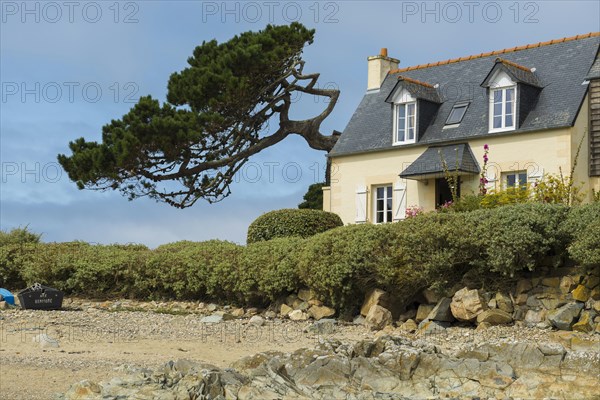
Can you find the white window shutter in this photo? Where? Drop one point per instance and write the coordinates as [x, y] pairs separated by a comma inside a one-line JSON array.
[[536, 175], [361, 205], [399, 201], [492, 180]]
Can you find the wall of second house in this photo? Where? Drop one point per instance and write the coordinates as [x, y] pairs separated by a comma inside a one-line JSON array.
[[580, 135], [536, 153]]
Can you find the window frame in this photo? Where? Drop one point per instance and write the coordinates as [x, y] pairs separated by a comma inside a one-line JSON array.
[[454, 107], [517, 175], [503, 127], [388, 196], [406, 121]]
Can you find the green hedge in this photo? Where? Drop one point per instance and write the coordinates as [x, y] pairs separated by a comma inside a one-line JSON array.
[[291, 223], [433, 250]]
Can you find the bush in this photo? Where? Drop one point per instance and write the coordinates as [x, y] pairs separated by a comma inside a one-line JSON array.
[[512, 195], [192, 270], [270, 269], [12, 244], [517, 237], [290, 222], [582, 231], [18, 236]]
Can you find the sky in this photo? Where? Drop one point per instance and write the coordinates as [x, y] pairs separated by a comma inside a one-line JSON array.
[[68, 67]]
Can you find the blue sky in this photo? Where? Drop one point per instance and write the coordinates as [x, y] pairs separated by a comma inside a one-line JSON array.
[[67, 69]]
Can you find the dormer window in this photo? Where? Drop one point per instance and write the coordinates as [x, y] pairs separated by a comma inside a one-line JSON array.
[[503, 109], [405, 122]]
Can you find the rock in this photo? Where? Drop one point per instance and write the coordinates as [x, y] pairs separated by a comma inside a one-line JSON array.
[[306, 294], [226, 316], [212, 319], [492, 303], [564, 317], [581, 293], [315, 302], [257, 320], [523, 286], [494, 317], [320, 312], [521, 299], [378, 317], [533, 302], [585, 323], [483, 326], [567, 284], [441, 312], [595, 294], [430, 328], [298, 315], [3, 305], [45, 341], [579, 343], [431, 297], [211, 307], [551, 282], [409, 326], [504, 302], [270, 314], [423, 311], [534, 317], [284, 310], [325, 326], [595, 306], [300, 305], [251, 311], [358, 320], [238, 312], [371, 298], [467, 304], [409, 314], [84, 390], [289, 300], [591, 281]]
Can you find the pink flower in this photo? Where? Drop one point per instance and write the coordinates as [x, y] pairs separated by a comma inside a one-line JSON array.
[[486, 147]]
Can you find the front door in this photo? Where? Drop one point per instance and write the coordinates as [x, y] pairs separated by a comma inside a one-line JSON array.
[[443, 193]]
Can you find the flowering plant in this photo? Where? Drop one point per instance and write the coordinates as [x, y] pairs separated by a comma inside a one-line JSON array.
[[413, 211], [483, 178]]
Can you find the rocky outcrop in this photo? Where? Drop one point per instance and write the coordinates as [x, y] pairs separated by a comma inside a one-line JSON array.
[[387, 368], [467, 304]]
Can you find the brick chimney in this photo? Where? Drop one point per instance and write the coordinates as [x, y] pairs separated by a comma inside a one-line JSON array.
[[379, 66]]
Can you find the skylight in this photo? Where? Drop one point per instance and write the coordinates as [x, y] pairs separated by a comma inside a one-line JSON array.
[[457, 113]]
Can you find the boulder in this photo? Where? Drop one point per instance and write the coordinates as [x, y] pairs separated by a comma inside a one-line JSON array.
[[320, 312], [581, 293], [409, 314], [504, 302], [257, 320], [84, 390], [383, 299], [441, 312], [534, 317], [423, 311], [591, 281], [300, 305], [595, 294], [298, 315], [467, 304], [494, 317], [285, 310], [431, 297], [523, 286], [430, 328], [567, 284], [409, 326], [212, 319], [585, 323], [563, 317], [238, 312], [307, 294], [378, 317], [551, 282]]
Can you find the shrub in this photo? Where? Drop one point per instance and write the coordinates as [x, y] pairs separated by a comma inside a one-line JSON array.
[[516, 237], [582, 231], [313, 199], [12, 245], [270, 269], [18, 236], [512, 195], [191, 270], [290, 222]]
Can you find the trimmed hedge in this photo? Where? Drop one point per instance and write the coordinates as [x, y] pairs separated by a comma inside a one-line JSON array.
[[291, 223], [433, 250]]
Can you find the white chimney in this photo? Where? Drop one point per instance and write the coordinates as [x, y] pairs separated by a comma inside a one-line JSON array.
[[379, 66]]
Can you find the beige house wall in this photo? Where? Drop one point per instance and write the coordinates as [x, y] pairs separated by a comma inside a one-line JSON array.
[[535, 152]]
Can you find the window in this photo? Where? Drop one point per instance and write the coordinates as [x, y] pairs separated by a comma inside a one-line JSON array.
[[405, 123], [383, 204], [457, 113], [502, 110], [516, 179]]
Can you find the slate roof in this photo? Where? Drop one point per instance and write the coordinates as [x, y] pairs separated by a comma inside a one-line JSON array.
[[561, 67], [517, 72], [594, 72], [457, 156]]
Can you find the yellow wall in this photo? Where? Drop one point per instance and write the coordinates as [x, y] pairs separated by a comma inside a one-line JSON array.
[[549, 149]]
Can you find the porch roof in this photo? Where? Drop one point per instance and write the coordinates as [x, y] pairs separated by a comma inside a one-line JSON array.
[[458, 157]]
